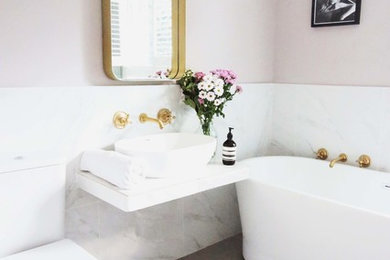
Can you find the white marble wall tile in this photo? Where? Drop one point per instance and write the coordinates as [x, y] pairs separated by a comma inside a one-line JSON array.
[[250, 115], [159, 230], [269, 119], [153, 233], [282, 141], [69, 120], [82, 226], [167, 231], [341, 119], [116, 238], [210, 217], [386, 132]]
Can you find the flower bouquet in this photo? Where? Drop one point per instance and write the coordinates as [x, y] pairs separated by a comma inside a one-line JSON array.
[[208, 93]]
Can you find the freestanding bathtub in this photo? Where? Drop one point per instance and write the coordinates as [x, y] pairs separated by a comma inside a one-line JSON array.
[[300, 209]]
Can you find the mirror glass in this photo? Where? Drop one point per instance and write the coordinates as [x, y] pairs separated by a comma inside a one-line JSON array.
[[141, 39]]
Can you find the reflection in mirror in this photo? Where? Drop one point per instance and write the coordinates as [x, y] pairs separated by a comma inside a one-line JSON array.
[[144, 39]]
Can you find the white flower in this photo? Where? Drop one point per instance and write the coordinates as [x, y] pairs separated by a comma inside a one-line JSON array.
[[208, 77], [210, 96], [215, 78], [219, 83], [218, 91], [202, 85], [203, 94], [209, 86], [217, 102]]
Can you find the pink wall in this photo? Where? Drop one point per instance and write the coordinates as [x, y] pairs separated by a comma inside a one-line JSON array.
[[236, 34], [50, 42], [59, 42], [346, 55]]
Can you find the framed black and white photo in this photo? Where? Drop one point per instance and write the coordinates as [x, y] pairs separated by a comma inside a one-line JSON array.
[[335, 12]]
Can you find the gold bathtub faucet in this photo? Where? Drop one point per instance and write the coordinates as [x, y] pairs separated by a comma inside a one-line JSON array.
[[342, 158]]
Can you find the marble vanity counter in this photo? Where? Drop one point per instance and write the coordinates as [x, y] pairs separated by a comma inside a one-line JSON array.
[[157, 191]]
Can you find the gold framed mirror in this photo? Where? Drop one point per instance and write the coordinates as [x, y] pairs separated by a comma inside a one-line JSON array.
[[144, 40]]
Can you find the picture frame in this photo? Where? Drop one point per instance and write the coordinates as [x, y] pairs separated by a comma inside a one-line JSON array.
[[335, 12]]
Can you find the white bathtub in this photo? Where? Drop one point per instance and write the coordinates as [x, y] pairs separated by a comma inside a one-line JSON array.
[[300, 209]]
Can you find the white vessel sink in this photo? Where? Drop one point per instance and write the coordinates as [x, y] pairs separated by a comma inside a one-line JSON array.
[[172, 154]]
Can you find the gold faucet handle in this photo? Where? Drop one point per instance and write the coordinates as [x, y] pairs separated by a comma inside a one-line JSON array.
[[121, 119], [322, 154], [343, 157], [165, 116], [364, 161]]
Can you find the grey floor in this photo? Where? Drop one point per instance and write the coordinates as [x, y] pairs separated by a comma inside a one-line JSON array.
[[229, 249]]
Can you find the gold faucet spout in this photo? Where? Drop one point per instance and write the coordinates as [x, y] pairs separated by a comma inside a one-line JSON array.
[[342, 158], [143, 118]]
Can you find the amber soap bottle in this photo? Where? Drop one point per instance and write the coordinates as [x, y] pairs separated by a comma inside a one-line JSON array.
[[229, 150]]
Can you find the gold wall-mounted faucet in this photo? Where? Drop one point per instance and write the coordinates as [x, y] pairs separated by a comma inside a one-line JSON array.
[[164, 117], [342, 158]]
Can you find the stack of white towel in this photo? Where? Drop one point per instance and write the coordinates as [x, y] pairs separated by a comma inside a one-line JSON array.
[[118, 169]]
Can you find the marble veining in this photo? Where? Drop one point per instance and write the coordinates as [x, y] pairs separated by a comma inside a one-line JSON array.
[[269, 119], [166, 231], [346, 119], [68, 120]]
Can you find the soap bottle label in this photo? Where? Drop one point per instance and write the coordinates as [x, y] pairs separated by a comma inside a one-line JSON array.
[[229, 154]]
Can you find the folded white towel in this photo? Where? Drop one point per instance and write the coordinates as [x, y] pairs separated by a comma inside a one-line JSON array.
[[116, 168]]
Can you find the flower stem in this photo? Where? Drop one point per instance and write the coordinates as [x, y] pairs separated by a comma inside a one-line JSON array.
[[206, 125]]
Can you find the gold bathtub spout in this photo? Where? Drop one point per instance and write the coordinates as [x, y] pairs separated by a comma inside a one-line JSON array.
[[342, 158]]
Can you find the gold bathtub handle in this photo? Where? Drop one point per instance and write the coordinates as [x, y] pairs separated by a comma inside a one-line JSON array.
[[322, 154], [364, 161]]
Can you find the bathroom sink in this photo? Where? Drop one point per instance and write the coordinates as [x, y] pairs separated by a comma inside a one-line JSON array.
[[170, 155]]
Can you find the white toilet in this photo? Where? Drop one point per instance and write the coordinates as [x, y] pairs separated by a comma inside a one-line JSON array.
[[32, 210]]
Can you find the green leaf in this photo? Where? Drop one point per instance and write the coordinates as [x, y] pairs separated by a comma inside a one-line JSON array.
[[189, 102]]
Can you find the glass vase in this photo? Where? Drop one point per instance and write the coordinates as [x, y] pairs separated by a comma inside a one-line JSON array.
[[207, 127], [209, 130]]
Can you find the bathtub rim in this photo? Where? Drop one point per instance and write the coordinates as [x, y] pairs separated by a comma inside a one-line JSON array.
[[314, 196], [299, 158]]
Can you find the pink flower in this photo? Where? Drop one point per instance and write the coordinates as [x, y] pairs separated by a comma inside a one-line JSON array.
[[159, 73], [230, 81], [224, 74], [199, 76], [201, 101], [239, 89], [232, 74], [227, 75]]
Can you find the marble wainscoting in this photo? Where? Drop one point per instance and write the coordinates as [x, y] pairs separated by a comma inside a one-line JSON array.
[[69, 120], [349, 119], [181, 227], [166, 231]]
